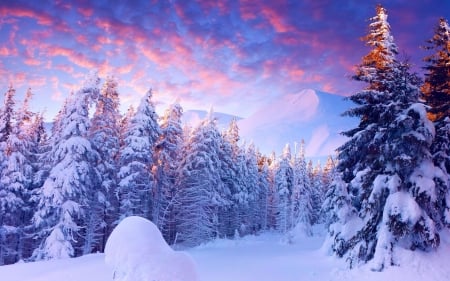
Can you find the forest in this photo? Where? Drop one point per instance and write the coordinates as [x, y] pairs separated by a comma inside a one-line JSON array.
[[62, 191]]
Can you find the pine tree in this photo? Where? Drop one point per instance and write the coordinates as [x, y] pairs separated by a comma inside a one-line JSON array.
[[228, 215], [168, 154], [252, 181], [272, 193], [104, 135], [302, 197], [200, 189], [16, 185], [338, 211], [233, 176], [436, 88], [436, 91], [284, 186], [263, 186], [386, 163], [67, 193], [136, 160], [317, 191], [7, 114]]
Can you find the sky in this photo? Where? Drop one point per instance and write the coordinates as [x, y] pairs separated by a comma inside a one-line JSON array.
[[236, 56]]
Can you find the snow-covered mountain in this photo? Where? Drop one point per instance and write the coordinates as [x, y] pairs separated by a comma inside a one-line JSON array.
[[310, 115], [193, 117]]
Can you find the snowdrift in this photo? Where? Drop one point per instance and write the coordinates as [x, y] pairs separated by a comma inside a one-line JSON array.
[[136, 251]]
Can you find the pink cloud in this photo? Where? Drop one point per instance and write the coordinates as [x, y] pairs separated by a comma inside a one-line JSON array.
[[277, 21], [64, 67], [36, 82], [86, 12], [32, 61], [207, 6], [6, 52], [41, 18], [82, 39], [296, 74], [125, 69], [74, 57], [247, 9]]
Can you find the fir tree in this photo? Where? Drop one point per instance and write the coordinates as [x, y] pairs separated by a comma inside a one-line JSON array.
[[284, 186], [302, 205], [199, 184], [436, 88], [263, 186], [168, 154], [7, 114], [104, 136], [136, 160], [436, 91], [66, 195], [16, 184], [386, 163]]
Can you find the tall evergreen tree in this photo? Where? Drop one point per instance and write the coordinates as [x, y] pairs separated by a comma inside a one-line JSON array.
[[284, 180], [66, 195], [316, 189], [229, 176], [436, 91], [272, 192], [104, 135], [168, 154], [263, 186], [302, 205], [136, 160], [252, 225], [6, 119], [386, 163], [436, 88], [200, 189], [7, 114], [16, 184]]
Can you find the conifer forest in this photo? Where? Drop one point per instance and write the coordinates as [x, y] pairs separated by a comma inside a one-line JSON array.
[[65, 186]]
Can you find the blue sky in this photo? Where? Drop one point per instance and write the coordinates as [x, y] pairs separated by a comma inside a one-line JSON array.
[[234, 55]]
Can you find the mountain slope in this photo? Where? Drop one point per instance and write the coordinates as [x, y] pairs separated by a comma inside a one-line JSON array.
[[310, 115]]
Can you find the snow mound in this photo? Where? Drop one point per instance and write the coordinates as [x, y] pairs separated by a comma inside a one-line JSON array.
[[136, 251], [297, 234]]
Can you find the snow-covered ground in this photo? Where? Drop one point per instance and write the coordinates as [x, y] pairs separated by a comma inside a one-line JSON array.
[[254, 258]]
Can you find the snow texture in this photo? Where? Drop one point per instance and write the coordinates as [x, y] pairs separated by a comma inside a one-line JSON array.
[[261, 258], [136, 251]]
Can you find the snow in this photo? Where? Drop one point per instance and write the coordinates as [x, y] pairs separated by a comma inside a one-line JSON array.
[[136, 251], [382, 182], [263, 258]]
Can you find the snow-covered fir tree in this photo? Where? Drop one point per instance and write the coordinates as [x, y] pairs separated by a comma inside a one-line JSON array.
[[199, 184], [16, 180], [7, 114], [302, 205], [104, 136], [252, 224], [272, 164], [316, 190], [386, 163], [436, 91], [240, 196], [136, 160], [168, 154], [284, 184], [66, 197], [228, 154], [263, 186]]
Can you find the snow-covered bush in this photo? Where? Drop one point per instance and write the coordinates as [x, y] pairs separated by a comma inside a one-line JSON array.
[[136, 251]]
